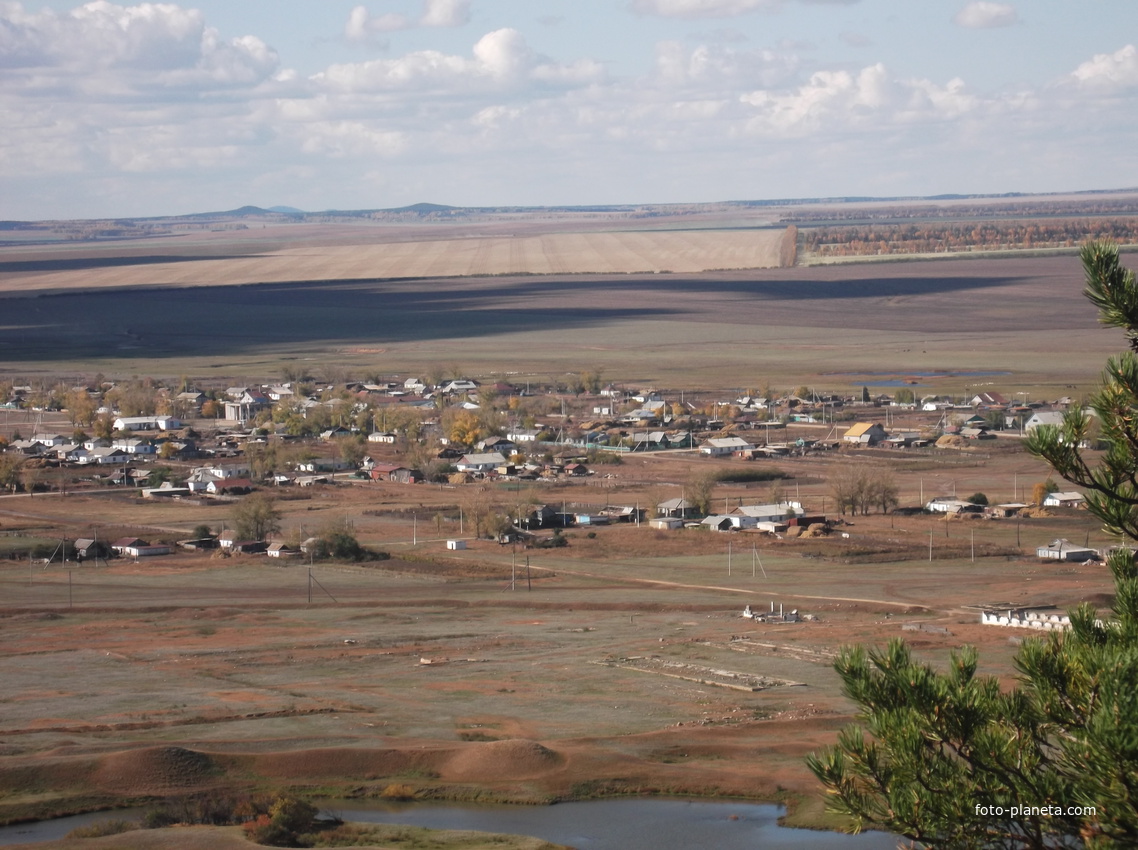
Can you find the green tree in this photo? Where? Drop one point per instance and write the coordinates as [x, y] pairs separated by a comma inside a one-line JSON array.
[[943, 748], [699, 489], [255, 517]]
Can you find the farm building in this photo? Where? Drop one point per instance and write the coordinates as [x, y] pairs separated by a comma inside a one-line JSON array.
[[147, 423], [282, 550], [1064, 550]]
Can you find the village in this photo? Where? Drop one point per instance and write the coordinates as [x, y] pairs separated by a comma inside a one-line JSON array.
[[217, 446]]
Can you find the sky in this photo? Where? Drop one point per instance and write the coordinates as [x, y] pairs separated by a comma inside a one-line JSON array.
[[117, 109]]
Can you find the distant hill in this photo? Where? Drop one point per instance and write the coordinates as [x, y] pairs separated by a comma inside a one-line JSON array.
[[423, 208], [289, 210]]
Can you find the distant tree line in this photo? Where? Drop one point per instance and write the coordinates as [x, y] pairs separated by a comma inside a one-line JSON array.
[[958, 236]]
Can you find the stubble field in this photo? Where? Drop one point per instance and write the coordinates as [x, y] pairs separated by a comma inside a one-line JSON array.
[[173, 311]]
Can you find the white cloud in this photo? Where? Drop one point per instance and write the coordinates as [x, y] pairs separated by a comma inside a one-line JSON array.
[[446, 13], [838, 100], [135, 47], [501, 58], [699, 8], [982, 14], [1118, 69], [362, 26]]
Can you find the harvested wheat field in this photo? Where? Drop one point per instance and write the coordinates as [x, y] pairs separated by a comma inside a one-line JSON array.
[[309, 257]]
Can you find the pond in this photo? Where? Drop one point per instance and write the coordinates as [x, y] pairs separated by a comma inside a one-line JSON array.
[[627, 824]]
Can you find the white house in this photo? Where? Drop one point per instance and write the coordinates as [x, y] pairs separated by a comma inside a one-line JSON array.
[[135, 446], [718, 446], [1071, 499]]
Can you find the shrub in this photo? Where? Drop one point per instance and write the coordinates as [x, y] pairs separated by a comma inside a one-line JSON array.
[[100, 828]]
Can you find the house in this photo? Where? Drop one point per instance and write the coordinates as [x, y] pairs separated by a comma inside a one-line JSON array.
[[480, 462], [230, 487], [135, 447], [106, 456], [732, 522], [91, 549], [135, 547], [1043, 417], [719, 446], [246, 405], [496, 444], [677, 508], [976, 434], [865, 434], [988, 400], [249, 547], [1064, 550], [167, 490], [1070, 499], [540, 516], [523, 435], [460, 385], [575, 469], [394, 472], [951, 505], [282, 550], [381, 437], [778, 512], [201, 479], [325, 464]]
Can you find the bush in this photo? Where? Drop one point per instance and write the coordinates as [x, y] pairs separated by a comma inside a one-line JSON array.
[[557, 541], [102, 827], [743, 476], [978, 499]]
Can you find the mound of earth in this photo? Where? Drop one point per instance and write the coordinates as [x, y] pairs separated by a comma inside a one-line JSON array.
[[154, 770], [495, 760]]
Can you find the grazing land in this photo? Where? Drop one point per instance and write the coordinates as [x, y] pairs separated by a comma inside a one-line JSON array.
[[619, 664]]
